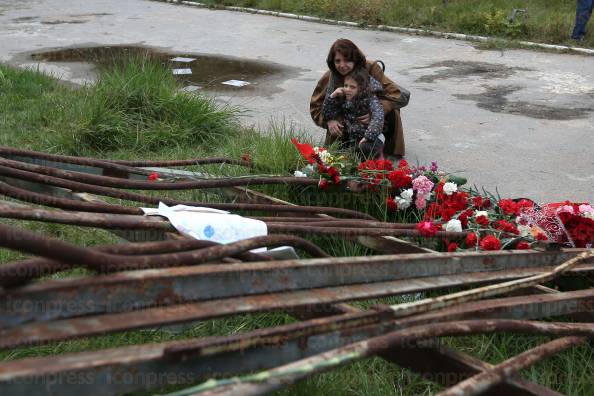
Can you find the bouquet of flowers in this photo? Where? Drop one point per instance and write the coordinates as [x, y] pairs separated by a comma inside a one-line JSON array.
[[440, 203]]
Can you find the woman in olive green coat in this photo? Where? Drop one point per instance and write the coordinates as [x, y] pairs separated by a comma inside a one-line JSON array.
[[344, 57]]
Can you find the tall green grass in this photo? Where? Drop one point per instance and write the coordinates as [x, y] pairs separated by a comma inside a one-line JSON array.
[[544, 21], [138, 106], [135, 106]]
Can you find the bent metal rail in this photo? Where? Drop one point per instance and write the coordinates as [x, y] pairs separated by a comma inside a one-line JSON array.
[[150, 284]]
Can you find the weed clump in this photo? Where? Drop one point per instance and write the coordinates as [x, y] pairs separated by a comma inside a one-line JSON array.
[[137, 105]]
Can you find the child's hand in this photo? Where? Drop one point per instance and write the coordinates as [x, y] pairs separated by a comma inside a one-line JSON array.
[[337, 92]]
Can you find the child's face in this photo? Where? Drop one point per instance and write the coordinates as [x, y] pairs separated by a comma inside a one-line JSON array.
[[350, 88]]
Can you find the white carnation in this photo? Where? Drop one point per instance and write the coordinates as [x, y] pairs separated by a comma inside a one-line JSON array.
[[449, 188], [407, 194], [402, 203], [524, 230], [454, 225], [299, 174], [481, 213]]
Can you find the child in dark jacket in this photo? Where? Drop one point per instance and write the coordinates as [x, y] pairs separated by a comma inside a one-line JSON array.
[[355, 100]]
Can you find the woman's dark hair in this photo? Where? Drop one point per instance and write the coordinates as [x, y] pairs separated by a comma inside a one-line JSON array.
[[349, 50], [361, 77]]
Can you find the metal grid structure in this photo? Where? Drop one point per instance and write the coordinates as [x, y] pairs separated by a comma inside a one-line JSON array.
[[168, 279]]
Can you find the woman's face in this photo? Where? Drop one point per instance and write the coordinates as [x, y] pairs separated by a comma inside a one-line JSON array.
[[342, 65]]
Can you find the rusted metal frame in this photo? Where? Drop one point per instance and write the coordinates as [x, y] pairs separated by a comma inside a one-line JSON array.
[[215, 356], [198, 183], [117, 165], [126, 195], [55, 322], [220, 281], [484, 381], [283, 376]]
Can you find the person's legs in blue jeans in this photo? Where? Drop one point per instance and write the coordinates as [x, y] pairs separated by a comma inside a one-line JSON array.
[[582, 15]]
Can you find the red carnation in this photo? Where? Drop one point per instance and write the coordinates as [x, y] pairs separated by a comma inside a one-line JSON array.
[[482, 220], [479, 202], [399, 178], [506, 226], [523, 245], [402, 164], [471, 240], [384, 165], [246, 157], [490, 242], [153, 176], [452, 247], [391, 204], [427, 228], [323, 184]]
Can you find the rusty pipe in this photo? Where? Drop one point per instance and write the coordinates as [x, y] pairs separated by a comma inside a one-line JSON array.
[[115, 193]]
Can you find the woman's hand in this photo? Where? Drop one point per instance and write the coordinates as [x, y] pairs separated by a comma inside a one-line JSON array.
[[364, 119], [335, 127], [337, 92], [362, 141]]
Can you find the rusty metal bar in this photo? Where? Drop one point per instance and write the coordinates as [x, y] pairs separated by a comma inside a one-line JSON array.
[[106, 163], [199, 183], [123, 221], [482, 382], [63, 203], [115, 193], [28, 242], [19, 272]]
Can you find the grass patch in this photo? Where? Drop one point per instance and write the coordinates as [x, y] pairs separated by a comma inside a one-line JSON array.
[[541, 21]]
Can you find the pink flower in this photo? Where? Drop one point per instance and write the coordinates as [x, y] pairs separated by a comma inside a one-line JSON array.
[[422, 185], [420, 202]]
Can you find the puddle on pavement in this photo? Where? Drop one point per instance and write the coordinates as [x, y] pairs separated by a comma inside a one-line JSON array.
[[494, 99], [208, 71], [459, 69]]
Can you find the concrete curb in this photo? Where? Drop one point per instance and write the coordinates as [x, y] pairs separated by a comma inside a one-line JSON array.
[[456, 36]]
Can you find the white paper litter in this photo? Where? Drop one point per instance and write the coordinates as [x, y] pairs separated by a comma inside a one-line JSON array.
[[182, 59], [191, 88], [236, 83], [182, 71], [210, 224]]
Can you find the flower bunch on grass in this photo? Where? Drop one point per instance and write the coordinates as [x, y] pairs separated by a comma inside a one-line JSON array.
[[437, 198]]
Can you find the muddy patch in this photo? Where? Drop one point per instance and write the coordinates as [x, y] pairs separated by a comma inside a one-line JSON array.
[[459, 69], [494, 99], [198, 71], [24, 19], [63, 21]]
